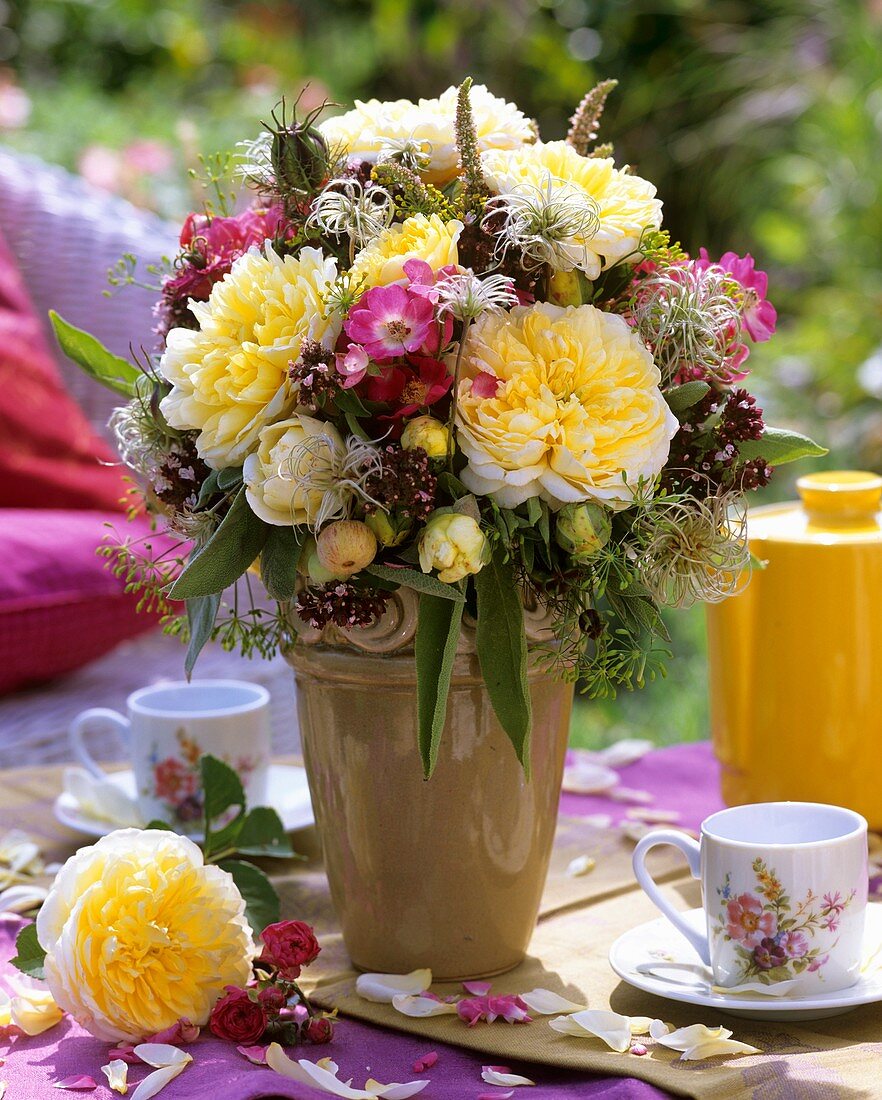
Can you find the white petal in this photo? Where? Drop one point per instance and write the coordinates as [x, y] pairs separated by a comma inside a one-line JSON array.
[[409, 1005], [394, 1091], [383, 987], [2, 1089], [315, 1076], [34, 1015], [101, 798], [581, 865], [19, 899], [717, 1048], [629, 794], [652, 816], [162, 1054], [157, 1080], [685, 1038], [587, 778], [640, 1025], [545, 1003], [623, 752], [613, 1029], [116, 1073], [494, 1077]]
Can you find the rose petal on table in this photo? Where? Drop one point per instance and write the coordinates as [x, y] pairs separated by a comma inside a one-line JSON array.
[[597, 821], [161, 1055], [182, 1031], [80, 1083], [125, 1052], [653, 816], [717, 1048], [640, 1025], [631, 794], [394, 1091], [612, 1028], [624, 752], [581, 865], [20, 853], [638, 1049], [157, 1080], [425, 1062], [34, 1012], [409, 1005], [499, 1075], [2, 1089], [381, 988], [116, 1073], [477, 989], [684, 1038], [255, 1054], [21, 898], [496, 1095], [323, 1076], [585, 777], [544, 1002]]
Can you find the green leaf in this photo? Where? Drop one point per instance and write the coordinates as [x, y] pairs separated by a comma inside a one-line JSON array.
[[501, 643], [778, 446], [29, 959], [261, 900], [229, 476], [208, 490], [263, 834], [451, 484], [468, 506], [226, 555], [437, 634], [421, 582], [221, 786], [161, 825], [201, 613], [684, 397], [116, 374], [279, 558]]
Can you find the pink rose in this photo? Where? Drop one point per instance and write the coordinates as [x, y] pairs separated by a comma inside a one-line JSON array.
[[320, 1029], [289, 945], [237, 1017]]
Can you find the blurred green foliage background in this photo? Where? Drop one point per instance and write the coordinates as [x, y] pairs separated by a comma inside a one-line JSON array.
[[760, 123]]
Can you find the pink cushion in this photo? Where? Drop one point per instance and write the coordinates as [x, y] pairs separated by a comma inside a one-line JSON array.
[[59, 606], [49, 455]]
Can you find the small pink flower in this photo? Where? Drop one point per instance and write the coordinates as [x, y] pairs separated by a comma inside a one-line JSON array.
[[832, 922], [795, 944], [834, 901], [747, 923], [759, 315], [427, 1060], [816, 964], [353, 365], [388, 321], [508, 1007]]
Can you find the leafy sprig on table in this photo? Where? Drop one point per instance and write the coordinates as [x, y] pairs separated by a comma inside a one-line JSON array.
[[257, 833]]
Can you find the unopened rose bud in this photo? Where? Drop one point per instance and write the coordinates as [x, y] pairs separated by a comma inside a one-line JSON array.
[[453, 544], [428, 433], [346, 547], [390, 530], [582, 529], [320, 1029]]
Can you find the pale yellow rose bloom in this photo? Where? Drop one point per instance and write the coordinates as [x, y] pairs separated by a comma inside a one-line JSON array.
[[373, 126], [625, 204], [31, 1008], [428, 433], [420, 237], [139, 932], [293, 468], [453, 544], [230, 376], [577, 415]]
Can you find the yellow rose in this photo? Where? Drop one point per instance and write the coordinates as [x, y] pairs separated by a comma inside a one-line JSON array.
[[138, 932], [428, 433], [294, 466], [453, 544], [420, 237], [577, 414], [230, 376], [623, 205], [373, 127]]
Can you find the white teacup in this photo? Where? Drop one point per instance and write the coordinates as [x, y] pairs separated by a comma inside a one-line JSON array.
[[169, 726], [784, 889]]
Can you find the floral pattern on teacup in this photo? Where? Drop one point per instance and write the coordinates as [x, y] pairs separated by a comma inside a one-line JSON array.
[[177, 780], [773, 939]]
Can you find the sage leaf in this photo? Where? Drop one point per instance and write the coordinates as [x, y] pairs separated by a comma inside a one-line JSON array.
[[501, 643], [778, 446], [438, 627], [684, 397], [279, 559], [420, 582], [226, 555], [201, 613]]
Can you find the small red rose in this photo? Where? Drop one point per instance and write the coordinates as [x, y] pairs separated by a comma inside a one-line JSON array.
[[320, 1029], [272, 999], [289, 945], [237, 1018]]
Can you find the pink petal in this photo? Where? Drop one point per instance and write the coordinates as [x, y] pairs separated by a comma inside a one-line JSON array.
[[477, 989], [181, 1032], [419, 272], [638, 1048], [496, 1095], [485, 385], [82, 1083], [255, 1054], [125, 1052], [426, 1062]]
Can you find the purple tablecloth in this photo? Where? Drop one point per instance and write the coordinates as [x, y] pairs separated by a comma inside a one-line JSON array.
[[682, 778]]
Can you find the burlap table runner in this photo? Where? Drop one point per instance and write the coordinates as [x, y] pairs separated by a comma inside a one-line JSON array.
[[835, 1059]]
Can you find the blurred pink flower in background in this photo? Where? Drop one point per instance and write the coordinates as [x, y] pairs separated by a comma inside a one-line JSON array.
[[15, 104]]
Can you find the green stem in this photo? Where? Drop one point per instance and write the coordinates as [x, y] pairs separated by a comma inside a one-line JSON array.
[[451, 419]]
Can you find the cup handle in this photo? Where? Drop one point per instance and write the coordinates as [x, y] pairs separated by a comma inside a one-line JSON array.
[[78, 727], [691, 849]]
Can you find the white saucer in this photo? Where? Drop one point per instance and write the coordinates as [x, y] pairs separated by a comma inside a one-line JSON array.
[[287, 793], [654, 957]]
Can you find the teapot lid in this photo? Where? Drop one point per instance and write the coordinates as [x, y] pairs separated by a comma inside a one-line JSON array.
[[834, 506]]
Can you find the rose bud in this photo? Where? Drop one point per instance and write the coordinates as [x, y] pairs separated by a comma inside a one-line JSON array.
[[453, 544], [346, 547], [272, 999], [428, 433], [289, 945], [237, 1018], [320, 1029], [582, 529], [391, 529]]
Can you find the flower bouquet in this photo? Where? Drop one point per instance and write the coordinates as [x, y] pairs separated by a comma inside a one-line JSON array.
[[437, 355]]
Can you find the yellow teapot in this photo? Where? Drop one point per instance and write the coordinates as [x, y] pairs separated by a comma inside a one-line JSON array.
[[796, 658]]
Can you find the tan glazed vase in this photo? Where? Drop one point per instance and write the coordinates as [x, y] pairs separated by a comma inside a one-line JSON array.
[[445, 873]]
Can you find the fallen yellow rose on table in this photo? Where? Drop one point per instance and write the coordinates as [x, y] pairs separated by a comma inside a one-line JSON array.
[[139, 931]]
